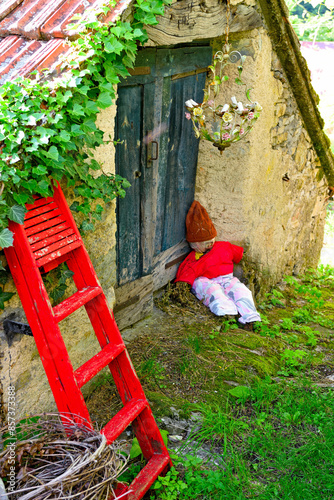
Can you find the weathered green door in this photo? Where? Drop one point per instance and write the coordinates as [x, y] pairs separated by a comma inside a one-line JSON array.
[[158, 155]]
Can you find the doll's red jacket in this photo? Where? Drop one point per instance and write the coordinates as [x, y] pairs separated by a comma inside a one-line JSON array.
[[217, 262]]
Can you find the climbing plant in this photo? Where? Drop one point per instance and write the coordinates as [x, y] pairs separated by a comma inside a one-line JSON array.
[[48, 124]]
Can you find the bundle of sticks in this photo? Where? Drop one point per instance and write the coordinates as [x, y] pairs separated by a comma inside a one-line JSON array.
[[60, 458]]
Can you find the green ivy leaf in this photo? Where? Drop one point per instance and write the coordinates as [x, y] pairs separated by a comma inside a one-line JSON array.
[[104, 100], [78, 110], [21, 198], [248, 94], [89, 125], [52, 153], [40, 170], [4, 297], [113, 46], [17, 213], [6, 238], [65, 136], [87, 226], [135, 449]]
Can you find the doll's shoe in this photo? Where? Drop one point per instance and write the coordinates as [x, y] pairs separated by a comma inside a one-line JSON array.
[[249, 327]]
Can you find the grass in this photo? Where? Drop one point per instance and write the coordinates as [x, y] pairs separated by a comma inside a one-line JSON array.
[[274, 428]]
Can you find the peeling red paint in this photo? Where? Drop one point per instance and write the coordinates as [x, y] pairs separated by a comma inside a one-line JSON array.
[[33, 32]]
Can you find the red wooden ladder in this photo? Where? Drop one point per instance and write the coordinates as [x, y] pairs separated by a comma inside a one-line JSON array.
[[49, 237]]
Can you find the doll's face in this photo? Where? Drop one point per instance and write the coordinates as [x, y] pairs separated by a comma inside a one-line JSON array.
[[203, 246], [209, 244]]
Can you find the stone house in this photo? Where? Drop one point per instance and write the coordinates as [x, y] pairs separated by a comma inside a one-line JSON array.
[[264, 193]]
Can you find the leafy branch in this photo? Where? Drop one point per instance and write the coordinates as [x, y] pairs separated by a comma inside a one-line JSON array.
[[48, 125]]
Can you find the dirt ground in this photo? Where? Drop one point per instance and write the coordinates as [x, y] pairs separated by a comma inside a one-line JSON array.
[[186, 356]]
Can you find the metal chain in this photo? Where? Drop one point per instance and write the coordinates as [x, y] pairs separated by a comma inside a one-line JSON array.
[[227, 30]]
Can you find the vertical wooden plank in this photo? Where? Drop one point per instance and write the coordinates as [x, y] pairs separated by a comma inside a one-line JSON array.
[[149, 168], [163, 164], [128, 161], [182, 160]]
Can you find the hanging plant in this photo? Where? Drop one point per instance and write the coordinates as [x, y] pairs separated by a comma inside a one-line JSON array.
[[223, 124]]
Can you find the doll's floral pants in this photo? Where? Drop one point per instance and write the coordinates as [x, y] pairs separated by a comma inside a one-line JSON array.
[[226, 295]]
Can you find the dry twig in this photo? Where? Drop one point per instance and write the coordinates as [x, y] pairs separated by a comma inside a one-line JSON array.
[[60, 458]]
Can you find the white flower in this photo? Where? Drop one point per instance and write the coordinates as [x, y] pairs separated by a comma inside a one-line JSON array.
[[225, 108], [191, 104], [240, 107], [234, 101]]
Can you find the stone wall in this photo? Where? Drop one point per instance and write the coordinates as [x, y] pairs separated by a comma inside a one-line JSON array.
[[263, 192], [20, 363]]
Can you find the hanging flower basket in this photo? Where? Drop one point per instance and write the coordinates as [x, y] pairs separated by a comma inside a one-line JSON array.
[[223, 124]]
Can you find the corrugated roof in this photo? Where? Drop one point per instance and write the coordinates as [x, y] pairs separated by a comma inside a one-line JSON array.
[[33, 32]]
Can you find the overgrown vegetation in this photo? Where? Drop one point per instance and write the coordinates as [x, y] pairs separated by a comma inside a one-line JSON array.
[[48, 124], [312, 20], [265, 398], [48, 128]]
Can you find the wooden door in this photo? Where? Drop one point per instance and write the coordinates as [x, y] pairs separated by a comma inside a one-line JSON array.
[[158, 155]]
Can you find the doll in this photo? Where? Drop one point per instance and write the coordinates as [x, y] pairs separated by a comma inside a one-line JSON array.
[[209, 269]]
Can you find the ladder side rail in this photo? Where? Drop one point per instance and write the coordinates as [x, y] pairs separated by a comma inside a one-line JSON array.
[[105, 327], [36, 327], [98, 308], [157, 466], [49, 341], [60, 199], [145, 425], [122, 370]]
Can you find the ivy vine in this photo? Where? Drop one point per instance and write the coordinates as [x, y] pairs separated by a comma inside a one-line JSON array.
[[48, 125]]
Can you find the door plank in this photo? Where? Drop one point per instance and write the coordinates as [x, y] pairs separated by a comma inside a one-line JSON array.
[[178, 173], [134, 301], [166, 264], [148, 169], [128, 161]]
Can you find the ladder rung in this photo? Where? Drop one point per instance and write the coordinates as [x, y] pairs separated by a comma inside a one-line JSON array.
[[123, 418], [78, 299], [58, 253], [42, 252], [89, 369], [34, 212], [148, 475], [35, 238], [55, 212], [33, 230], [52, 239], [39, 202]]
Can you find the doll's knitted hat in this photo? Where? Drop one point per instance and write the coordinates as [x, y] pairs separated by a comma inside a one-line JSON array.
[[199, 225]]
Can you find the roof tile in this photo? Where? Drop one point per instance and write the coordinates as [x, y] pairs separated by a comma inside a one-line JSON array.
[[32, 32], [7, 6], [28, 17], [56, 25]]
